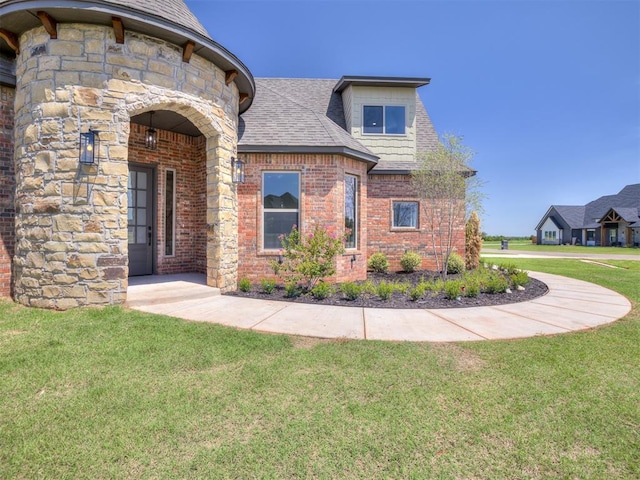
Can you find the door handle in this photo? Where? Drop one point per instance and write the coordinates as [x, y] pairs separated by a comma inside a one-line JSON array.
[[149, 234]]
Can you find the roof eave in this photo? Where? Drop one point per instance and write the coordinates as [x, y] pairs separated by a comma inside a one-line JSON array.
[[100, 12], [371, 160], [373, 81]]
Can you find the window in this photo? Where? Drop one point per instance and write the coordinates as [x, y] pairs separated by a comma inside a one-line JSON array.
[[550, 235], [280, 206], [169, 212], [405, 215], [351, 210], [388, 120]]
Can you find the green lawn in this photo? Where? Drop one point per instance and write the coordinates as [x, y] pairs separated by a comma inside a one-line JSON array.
[[114, 393], [527, 246]]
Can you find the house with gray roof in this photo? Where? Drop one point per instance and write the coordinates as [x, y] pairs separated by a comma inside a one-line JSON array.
[[132, 143], [611, 220]]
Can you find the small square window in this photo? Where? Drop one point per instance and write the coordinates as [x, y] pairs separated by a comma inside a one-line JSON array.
[[387, 120], [405, 215]]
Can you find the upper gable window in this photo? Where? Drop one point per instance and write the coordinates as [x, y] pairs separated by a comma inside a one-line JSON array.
[[387, 120]]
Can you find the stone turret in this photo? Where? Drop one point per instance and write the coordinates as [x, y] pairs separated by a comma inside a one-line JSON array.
[[93, 65]]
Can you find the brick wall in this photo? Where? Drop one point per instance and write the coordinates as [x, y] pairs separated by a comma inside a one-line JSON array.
[[321, 203], [7, 189], [186, 155], [383, 190]]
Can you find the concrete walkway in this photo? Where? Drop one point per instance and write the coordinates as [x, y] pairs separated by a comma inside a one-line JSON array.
[[570, 305]]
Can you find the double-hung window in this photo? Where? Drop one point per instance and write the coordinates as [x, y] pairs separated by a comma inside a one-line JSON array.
[[280, 206], [405, 214], [383, 120], [351, 211]]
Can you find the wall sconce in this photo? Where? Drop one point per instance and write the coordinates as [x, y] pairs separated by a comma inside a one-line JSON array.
[[151, 137], [237, 170], [89, 143]]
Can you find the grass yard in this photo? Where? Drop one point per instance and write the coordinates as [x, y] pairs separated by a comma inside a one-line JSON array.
[[115, 393], [527, 246]]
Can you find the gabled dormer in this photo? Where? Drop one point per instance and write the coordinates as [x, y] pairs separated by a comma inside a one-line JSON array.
[[384, 114]]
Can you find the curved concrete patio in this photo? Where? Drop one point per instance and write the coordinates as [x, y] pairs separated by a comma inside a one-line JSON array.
[[569, 305]]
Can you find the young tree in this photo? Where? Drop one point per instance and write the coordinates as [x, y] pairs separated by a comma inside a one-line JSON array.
[[473, 242], [448, 190]]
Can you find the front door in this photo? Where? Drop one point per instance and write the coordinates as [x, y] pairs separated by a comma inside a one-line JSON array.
[[140, 220]]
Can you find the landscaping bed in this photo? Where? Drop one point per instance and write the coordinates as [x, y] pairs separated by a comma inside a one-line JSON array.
[[402, 285]]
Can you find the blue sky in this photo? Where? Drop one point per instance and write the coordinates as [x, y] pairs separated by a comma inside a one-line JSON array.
[[546, 93]]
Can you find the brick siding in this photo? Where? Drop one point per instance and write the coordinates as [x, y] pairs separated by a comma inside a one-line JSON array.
[[383, 190], [7, 190], [321, 203], [186, 155]]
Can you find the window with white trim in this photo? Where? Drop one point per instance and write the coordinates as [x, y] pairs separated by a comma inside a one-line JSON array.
[[351, 210], [383, 120], [405, 214], [169, 212], [280, 206]]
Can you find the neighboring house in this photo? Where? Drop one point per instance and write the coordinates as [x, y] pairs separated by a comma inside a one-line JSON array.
[[612, 220], [123, 129]]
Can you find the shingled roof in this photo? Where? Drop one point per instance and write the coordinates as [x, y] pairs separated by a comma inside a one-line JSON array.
[[296, 115], [626, 203]]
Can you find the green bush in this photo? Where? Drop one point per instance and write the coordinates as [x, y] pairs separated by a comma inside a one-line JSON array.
[[455, 264], [385, 290], [496, 284], [417, 292], [244, 285], [267, 285], [369, 287], [378, 263], [471, 289], [410, 262], [292, 290], [308, 258], [520, 278], [453, 289], [321, 291], [351, 290]]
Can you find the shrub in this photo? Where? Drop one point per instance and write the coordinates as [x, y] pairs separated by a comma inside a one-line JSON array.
[[473, 242], [385, 290], [292, 290], [496, 284], [321, 291], [410, 262], [244, 285], [520, 278], [267, 285], [351, 290], [378, 263], [453, 289], [418, 291], [309, 258], [435, 286], [369, 287], [455, 264], [471, 289]]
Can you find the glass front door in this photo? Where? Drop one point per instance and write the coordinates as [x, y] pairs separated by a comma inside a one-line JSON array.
[[140, 220]]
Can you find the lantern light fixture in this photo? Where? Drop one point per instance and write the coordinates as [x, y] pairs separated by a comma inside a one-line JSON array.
[[89, 144], [151, 137], [237, 170]]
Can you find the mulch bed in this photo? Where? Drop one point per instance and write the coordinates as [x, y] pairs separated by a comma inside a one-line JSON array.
[[534, 289]]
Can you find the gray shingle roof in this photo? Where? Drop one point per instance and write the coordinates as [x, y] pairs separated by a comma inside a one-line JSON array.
[[297, 115], [626, 203]]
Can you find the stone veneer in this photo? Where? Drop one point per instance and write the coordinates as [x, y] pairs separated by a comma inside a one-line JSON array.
[[7, 189], [321, 203], [71, 221]]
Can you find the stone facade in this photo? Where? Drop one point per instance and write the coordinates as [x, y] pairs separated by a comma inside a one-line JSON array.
[[394, 242], [322, 203], [7, 189], [71, 224]]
